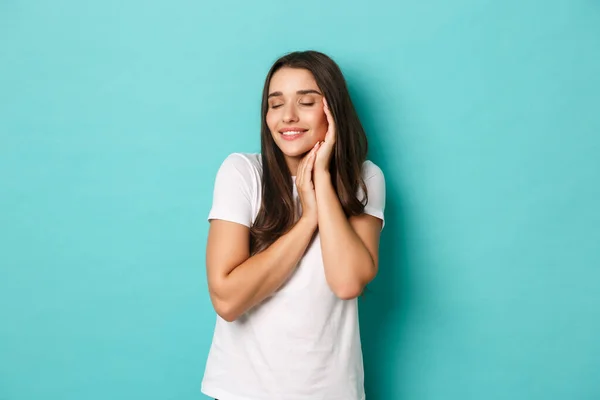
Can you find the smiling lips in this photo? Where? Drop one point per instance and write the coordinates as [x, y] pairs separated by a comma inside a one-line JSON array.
[[292, 133]]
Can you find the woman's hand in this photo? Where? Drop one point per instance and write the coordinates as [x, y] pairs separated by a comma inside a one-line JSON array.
[[323, 157], [306, 187]]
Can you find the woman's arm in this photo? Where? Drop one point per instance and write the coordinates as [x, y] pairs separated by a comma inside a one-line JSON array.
[[236, 281], [350, 246]]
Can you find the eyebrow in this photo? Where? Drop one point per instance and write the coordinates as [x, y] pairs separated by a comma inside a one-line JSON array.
[[307, 91]]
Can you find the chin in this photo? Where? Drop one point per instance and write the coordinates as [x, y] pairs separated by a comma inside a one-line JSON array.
[[295, 149]]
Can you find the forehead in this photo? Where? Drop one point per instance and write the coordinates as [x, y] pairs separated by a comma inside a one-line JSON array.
[[290, 80]]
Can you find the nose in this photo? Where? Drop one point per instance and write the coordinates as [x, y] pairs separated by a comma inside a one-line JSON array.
[[290, 114]]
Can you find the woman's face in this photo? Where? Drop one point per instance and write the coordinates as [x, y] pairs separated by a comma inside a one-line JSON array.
[[295, 113]]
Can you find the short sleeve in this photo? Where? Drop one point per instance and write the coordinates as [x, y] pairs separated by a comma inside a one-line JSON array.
[[233, 191], [375, 183]]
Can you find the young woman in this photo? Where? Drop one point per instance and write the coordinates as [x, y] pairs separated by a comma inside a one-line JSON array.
[[293, 241]]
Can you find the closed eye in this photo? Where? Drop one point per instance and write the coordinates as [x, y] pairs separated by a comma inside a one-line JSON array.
[[302, 104]]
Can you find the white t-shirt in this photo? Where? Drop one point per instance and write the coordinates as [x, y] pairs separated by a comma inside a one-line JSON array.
[[302, 342]]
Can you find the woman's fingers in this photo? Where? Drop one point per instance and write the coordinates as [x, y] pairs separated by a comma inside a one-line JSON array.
[[310, 160], [300, 172], [302, 175], [310, 163]]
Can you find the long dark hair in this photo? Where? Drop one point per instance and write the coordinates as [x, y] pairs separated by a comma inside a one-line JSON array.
[[277, 211]]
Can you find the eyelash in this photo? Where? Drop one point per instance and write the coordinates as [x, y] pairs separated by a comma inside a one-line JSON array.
[[302, 104]]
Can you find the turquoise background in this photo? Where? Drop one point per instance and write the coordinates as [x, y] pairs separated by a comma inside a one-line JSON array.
[[484, 116]]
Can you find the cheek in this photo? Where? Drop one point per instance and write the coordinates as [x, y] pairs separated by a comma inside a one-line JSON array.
[[319, 123], [271, 121]]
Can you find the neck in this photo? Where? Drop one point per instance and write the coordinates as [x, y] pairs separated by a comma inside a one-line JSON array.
[[292, 163]]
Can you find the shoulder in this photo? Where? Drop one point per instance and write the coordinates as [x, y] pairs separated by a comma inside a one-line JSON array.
[[241, 171], [248, 165], [374, 181], [244, 161], [236, 188], [371, 170], [376, 192]]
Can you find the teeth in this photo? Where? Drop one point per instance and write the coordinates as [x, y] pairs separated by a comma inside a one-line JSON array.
[[290, 133]]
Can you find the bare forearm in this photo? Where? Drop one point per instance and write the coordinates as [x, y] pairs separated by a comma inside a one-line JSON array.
[[260, 275], [348, 263]]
